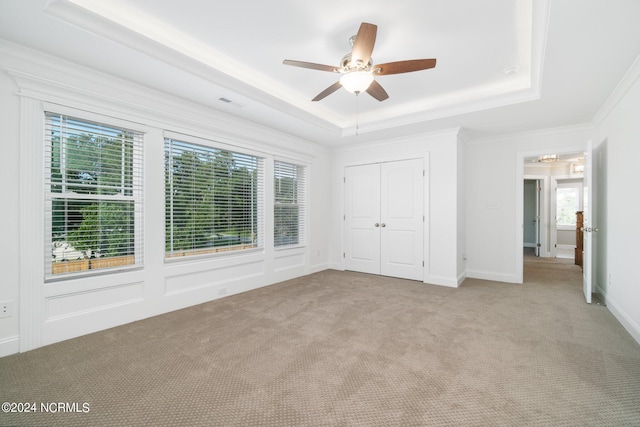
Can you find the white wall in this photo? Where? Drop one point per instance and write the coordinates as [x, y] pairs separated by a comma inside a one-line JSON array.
[[495, 170], [10, 214], [48, 312], [461, 179], [442, 231], [619, 234]]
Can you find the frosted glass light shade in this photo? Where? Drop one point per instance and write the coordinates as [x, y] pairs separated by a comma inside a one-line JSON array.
[[356, 81]]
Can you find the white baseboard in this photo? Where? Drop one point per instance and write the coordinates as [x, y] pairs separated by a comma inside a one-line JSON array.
[[9, 345], [461, 278], [625, 320], [442, 281], [319, 267], [567, 247], [490, 275], [336, 266]]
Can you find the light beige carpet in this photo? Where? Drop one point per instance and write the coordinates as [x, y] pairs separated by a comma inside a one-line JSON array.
[[349, 349]]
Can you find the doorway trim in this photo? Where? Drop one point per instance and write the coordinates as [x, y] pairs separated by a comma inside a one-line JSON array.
[[520, 156], [545, 241]]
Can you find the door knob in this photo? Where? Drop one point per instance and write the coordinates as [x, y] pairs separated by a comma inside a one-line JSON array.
[[377, 224], [383, 225]]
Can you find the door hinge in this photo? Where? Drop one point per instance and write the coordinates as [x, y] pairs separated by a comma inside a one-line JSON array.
[[344, 255], [422, 218], [424, 172], [344, 217], [344, 179], [423, 263]]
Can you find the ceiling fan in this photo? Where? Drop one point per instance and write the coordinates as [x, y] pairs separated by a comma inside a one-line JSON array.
[[358, 73]]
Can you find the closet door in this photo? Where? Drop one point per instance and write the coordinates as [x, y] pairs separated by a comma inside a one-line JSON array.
[[384, 219], [362, 218], [402, 220]]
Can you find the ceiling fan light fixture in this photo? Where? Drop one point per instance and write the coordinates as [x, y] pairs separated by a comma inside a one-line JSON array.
[[548, 158], [356, 81]]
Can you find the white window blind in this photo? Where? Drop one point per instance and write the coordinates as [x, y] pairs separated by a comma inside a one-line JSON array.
[[93, 196], [289, 204], [213, 200]]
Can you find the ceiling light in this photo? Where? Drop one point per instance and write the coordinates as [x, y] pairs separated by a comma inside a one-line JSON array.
[[548, 158], [356, 81], [577, 168]]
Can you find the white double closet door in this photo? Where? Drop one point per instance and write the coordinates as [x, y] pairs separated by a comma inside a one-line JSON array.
[[384, 219]]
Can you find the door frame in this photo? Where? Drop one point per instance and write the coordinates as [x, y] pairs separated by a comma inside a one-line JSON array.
[[426, 241], [543, 224], [519, 226]]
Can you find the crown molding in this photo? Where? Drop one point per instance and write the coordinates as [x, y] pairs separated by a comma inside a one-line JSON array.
[[132, 28], [626, 83]]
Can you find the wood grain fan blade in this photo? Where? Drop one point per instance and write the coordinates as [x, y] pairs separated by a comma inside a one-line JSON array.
[[363, 44], [328, 91], [377, 91], [310, 65], [403, 66]]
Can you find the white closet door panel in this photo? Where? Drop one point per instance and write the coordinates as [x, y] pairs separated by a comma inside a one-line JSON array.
[[362, 213], [401, 214]]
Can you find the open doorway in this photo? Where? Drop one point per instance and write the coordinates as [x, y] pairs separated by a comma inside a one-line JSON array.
[[593, 174], [531, 220], [552, 196], [568, 210]]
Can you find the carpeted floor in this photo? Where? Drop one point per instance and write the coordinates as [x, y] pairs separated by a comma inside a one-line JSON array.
[[348, 349]]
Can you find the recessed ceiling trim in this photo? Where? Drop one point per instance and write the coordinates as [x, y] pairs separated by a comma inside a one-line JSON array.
[[96, 17], [122, 23]]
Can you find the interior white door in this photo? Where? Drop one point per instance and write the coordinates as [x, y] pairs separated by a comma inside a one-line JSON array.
[[588, 224], [384, 223], [362, 218], [402, 220], [538, 216]]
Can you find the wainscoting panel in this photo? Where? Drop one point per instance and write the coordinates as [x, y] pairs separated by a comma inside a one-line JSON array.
[[90, 301], [286, 260], [71, 315], [213, 277]]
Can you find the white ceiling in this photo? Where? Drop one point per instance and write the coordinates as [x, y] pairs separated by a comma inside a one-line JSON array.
[[569, 56]]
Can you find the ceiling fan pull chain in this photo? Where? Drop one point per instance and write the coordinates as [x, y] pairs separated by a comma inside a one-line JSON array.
[[357, 113]]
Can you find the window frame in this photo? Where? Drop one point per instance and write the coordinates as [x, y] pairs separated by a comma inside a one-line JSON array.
[[136, 197], [576, 185], [301, 201], [211, 252]]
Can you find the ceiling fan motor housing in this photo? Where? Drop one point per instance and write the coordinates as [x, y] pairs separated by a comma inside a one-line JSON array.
[[347, 65]]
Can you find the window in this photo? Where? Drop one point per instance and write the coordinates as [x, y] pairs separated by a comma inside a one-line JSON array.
[[289, 204], [93, 196], [567, 204], [213, 200]]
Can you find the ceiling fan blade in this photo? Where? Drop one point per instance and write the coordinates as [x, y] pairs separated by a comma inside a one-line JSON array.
[[377, 91], [403, 66], [310, 65], [363, 44], [328, 91]]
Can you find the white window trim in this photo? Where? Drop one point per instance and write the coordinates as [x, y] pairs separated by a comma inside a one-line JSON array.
[[306, 200], [263, 158], [138, 199]]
